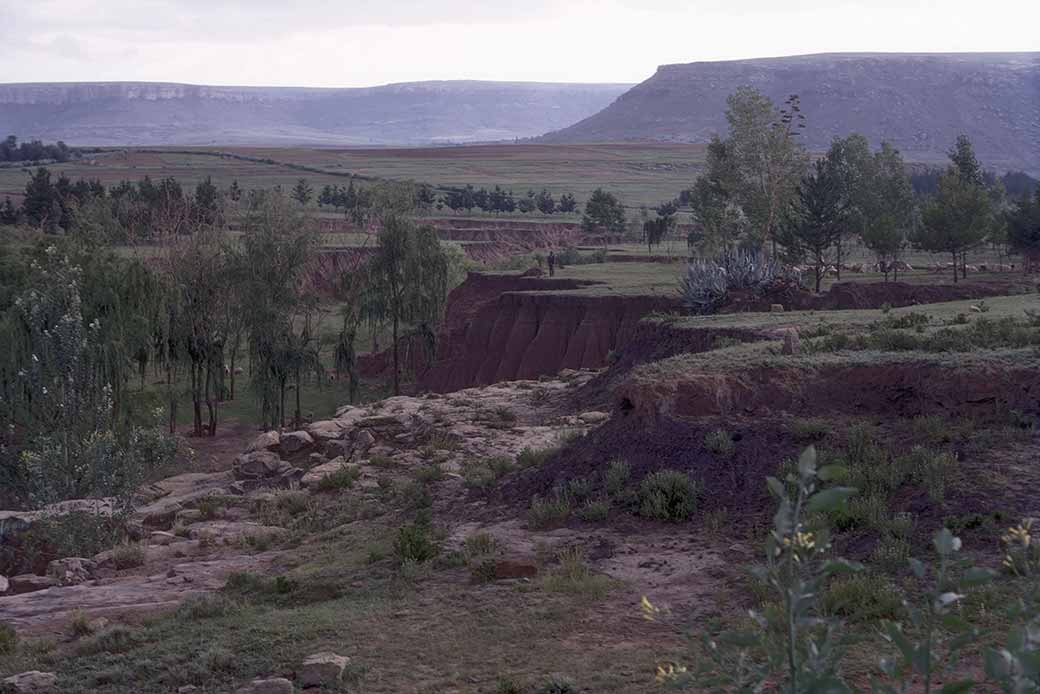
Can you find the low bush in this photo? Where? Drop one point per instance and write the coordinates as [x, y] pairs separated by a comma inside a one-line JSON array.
[[574, 576], [579, 489], [128, 556], [863, 597], [594, 510], [891, 554], [483, 474], [548, 512], [340, 480], [807, 430], [481, 544], [8, 639], [931, 469], [616, 476], [720, 442], [668, 495], [206, 606], [415, 543], [117, 639], [530, 457]]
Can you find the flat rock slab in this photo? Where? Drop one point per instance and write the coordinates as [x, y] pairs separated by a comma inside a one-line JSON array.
[[32, 681], [322, 670], [50, 609], [275, 685]]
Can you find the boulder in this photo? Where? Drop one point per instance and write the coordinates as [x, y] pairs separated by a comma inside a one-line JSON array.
[[32, 681], [188, 516], [336, 448], [295, 441], [187, 689], [322, 670], [776, 308], [365, 440], [317, 474], [274, 685], [30, 583], [4, 584], [267, 441], [161, 538], [71, 571], [344, 409], [325, 429], [593, 417], [792, 342], [256, 465], [506, 569]]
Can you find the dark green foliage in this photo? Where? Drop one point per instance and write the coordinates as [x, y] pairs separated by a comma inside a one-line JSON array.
[[862, 597], [603, 213], [415, 543], [8, 639], [339, 480], [708, 284], [668, 495], [815, 223]]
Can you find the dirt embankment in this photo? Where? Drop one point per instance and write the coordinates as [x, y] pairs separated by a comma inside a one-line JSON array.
[[505, 327], [864, 295], [898, 388]]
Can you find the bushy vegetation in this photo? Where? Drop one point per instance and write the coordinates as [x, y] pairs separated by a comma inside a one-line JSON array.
[[709, 284], [668, 495]]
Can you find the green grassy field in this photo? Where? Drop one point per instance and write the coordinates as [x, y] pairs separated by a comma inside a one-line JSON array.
[[641, 174]]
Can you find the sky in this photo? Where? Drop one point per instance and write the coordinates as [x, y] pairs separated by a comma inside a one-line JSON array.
[[353, 43]]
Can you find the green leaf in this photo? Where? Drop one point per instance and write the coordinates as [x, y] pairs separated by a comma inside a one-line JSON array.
[[776, 487], [917, 568], [830, 473], [957, 687], [997, 663], [895, 635], [946, 543], [830, 499], [977, 576], [807, 462], [840, 566]]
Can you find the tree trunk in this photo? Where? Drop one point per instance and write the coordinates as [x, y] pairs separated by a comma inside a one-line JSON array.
[[196, 399], [819, 276], [837, 266], [955, 267], [397, 366], [297, 418], [210, 406]]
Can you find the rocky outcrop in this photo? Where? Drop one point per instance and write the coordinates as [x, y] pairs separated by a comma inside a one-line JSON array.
[[322, 670]]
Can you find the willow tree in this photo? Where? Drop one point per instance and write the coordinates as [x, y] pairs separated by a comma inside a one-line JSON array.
[[408, 281]]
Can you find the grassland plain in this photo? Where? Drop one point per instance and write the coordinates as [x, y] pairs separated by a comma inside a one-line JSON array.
[[641, 174]]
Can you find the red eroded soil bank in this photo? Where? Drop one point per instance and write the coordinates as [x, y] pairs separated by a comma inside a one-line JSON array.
[[863, 295], [501, 328], [898, 388]]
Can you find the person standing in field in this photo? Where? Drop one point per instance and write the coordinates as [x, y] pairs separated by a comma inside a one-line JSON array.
[[552, 263]]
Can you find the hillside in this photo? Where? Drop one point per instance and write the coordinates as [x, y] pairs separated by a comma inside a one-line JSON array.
[[920, 102], [124, 113]]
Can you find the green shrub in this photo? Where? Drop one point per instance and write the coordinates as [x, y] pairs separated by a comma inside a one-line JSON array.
[[667, 495], [862, 597], [340, 480], [557, 686], [73, 535], [930, 469], [206, 606], [579, 489], [616, 476], [720, 442], [382, 462], [594, 511], [415, 543], [550, 512], [480, 544], [428, 474], [891, 554], [862, 512], [484, 474], [117, 639], [128, 556], [574, 576], [808, 429], [530, 457], [8, 639], [933, 428]]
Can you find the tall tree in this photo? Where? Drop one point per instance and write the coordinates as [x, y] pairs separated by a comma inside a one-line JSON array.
[[886, 209], [603, 212], [407, 281], [959, 216], [812, 227], [40, 206], [302, 192]]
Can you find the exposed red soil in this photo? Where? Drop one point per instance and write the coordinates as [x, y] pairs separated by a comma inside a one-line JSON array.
[[903, 388], [498, 332]]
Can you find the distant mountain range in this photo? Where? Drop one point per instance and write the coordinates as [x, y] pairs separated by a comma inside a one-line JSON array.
[[919, 102], [150, 113]]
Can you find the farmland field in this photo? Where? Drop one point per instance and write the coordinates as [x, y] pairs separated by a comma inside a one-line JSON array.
[[641, 174]]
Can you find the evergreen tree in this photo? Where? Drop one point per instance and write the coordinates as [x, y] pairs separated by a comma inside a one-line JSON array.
[[40, 199], [813, 225], [603, 212], [302, 192]]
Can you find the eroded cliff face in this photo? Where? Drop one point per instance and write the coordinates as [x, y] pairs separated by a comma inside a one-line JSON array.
[[502, 328]]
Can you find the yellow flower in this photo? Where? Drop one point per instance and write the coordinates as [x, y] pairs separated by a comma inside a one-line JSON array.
[[668, 671], [650, 611]]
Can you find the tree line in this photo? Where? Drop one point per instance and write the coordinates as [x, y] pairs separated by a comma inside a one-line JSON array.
[[761, 189], [34, 150]]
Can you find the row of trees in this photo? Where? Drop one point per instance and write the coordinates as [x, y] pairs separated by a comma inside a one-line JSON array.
[[499, 200], [34, 150], [760, 190]]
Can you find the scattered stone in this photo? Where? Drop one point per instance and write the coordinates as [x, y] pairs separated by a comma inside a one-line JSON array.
[[378, 421], [336, 448], [316, 459], [32, 681], [792, 342], [4, 584], [506, 569], [267, 441], [71, 571], [258, 465], [325, 429], [149, 494], [322, 670], [30, 583], [776, 308], [295, 441], [188, 516], [593, 417], [317, 474], [340, 411], [98, 624], [161, 538], [275, 685], [187, 689]]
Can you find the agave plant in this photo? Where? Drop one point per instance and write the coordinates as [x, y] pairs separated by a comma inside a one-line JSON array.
[[708, 283]]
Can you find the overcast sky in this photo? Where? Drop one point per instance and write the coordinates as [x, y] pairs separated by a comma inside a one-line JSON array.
[[367, 42]]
